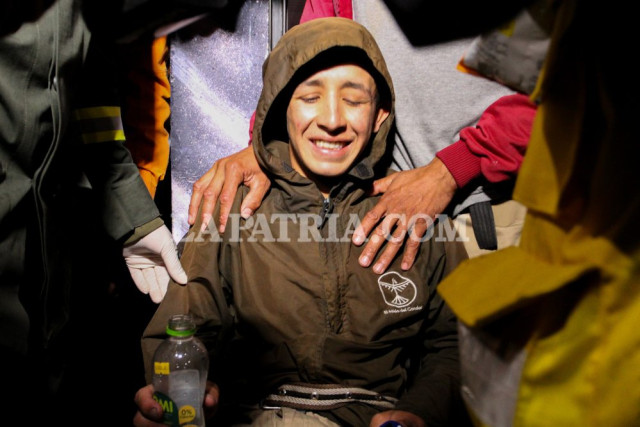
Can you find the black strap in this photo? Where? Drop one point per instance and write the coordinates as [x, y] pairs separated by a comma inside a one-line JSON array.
[[484, 226]]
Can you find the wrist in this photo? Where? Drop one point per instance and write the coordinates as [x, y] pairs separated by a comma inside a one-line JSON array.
[[143, 230], [446, 178], [460, 162]]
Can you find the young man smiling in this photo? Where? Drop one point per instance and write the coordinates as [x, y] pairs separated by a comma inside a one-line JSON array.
[[298, 332], [330, 120]]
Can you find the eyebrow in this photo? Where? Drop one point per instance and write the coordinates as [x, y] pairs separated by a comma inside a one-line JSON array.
[[354, 85], [345, 85]]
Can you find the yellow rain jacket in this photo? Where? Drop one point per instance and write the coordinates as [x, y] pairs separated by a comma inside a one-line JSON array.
[[550, 330]]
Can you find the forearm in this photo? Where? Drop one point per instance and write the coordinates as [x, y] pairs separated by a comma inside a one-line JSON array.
[[114, 177], [435, 397], [434, 392], [204, 297], [125, 201]]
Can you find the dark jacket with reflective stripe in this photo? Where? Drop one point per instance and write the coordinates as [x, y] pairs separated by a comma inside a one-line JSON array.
[[281, 297], [51, 65]]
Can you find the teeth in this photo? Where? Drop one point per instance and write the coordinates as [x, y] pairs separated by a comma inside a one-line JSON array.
[[329, 145]]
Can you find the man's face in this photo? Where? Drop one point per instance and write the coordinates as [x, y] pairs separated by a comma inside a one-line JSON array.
[[330, 119]]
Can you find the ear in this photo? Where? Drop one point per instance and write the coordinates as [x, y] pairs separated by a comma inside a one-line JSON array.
[[381, 116]]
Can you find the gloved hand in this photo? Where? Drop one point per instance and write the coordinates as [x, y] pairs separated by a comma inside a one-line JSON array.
[[151, 260]]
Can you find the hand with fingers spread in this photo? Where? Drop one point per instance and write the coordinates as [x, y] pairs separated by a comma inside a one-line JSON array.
[[150, 413], [152, 260], [410, 203], [221, 183]]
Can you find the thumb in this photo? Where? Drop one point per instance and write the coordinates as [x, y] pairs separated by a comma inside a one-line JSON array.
[[169, 254], [174, 268], [252, 200], [381, 185]]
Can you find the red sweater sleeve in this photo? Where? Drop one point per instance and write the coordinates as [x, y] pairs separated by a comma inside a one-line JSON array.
[[494, 148]]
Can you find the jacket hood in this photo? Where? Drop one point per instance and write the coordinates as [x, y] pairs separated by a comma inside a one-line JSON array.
[[301, 52]]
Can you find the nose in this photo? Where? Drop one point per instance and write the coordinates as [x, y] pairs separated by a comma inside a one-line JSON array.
[[331, 116]]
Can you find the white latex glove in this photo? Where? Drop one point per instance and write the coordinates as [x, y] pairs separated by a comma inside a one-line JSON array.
[[151, 260]]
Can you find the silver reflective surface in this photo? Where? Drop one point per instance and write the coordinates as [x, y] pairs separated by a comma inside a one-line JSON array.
[[216, 80]]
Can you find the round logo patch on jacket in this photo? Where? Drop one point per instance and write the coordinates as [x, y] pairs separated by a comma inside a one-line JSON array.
[[397, 290]]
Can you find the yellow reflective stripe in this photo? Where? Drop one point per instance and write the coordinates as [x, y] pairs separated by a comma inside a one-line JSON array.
[[96, 112], [99, 124], [104, 136]]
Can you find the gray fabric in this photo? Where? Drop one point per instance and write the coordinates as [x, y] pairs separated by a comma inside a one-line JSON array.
[[517, 57], [434, 100], [491, 370]]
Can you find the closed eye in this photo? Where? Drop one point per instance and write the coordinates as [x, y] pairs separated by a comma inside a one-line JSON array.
[[355, 103]]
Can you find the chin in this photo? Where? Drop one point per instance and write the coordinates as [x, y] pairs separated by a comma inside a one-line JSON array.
[[330, 172]]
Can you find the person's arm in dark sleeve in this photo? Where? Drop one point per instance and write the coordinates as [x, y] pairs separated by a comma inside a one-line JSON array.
[[434, 393], [125, 201], [128, 212], [207, 296]]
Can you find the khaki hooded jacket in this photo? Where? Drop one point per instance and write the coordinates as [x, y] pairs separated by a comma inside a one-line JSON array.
[[281, 299]]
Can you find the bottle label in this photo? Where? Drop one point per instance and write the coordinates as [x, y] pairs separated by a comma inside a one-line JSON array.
[[161, 368], [186, 414], [169, 409], [174, 415]]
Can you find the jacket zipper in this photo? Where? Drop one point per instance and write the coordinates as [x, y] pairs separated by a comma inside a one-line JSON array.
[[334, 274], [38, 181], [327, 206]]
